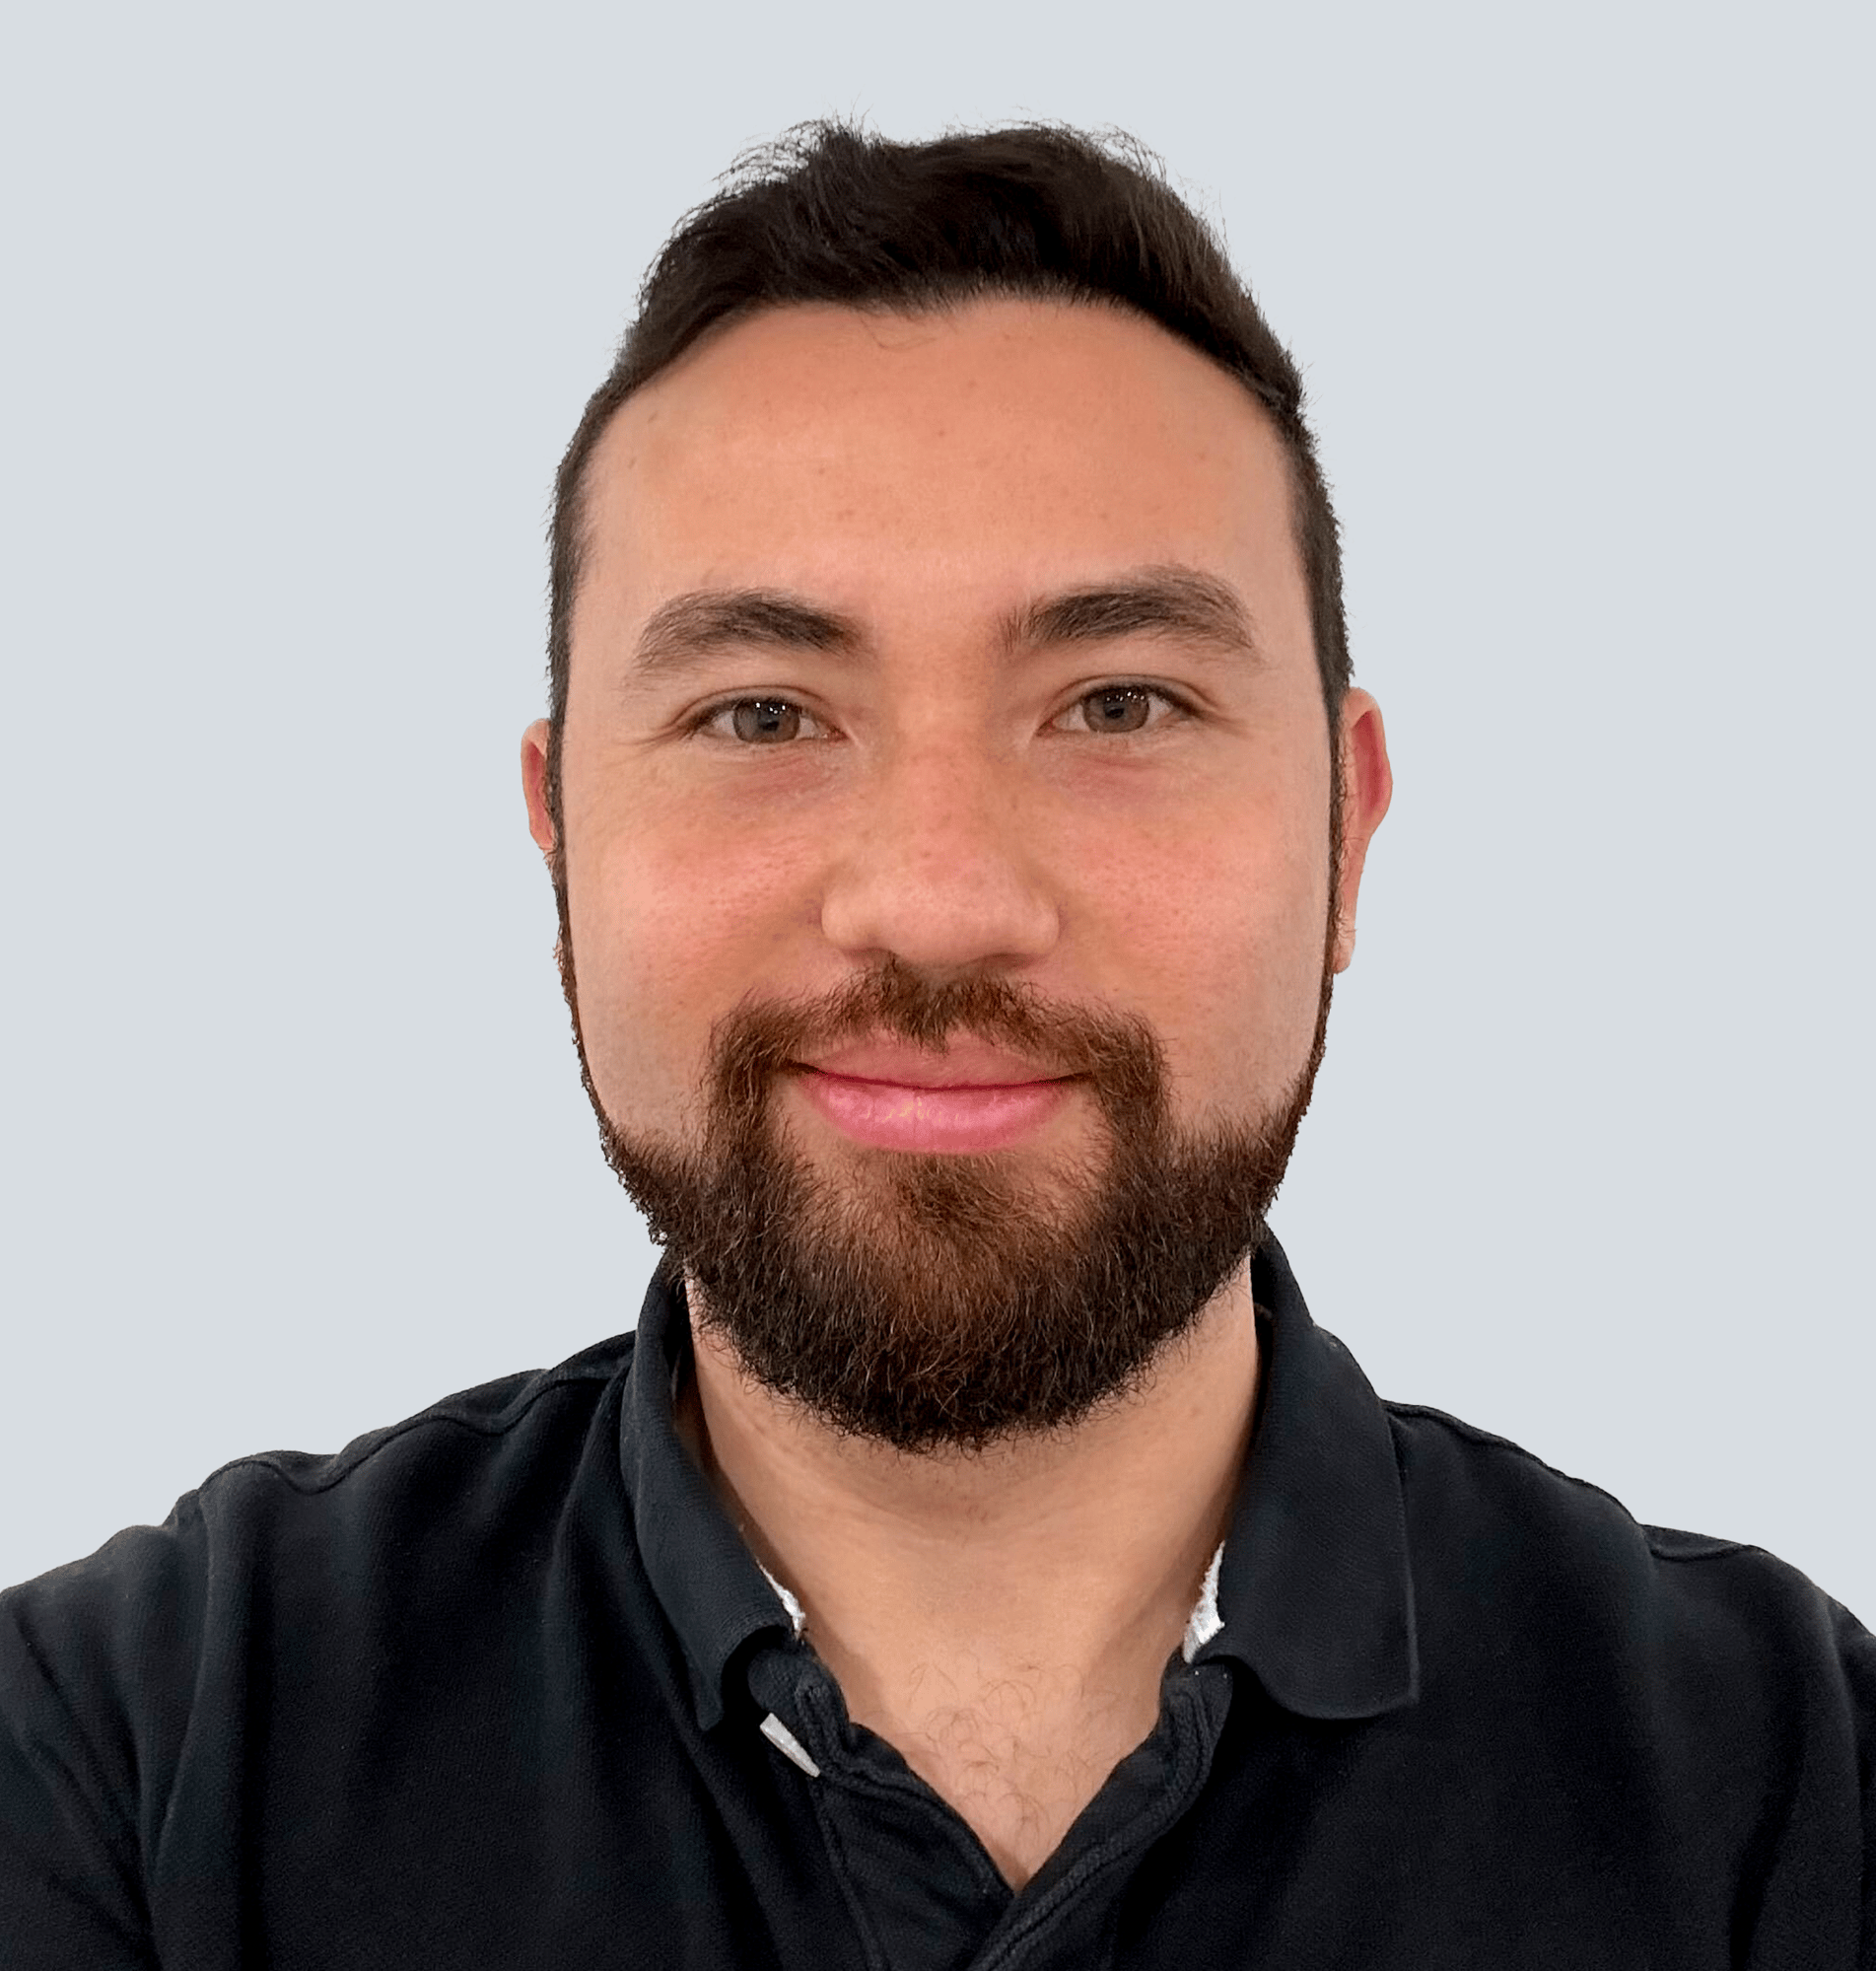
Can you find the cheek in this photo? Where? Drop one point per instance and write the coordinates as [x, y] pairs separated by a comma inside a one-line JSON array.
[[622, 965], [1233, 933], [668, 933]]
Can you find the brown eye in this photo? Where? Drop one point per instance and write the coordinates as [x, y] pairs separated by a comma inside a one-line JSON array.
[[1121, 709], [759, 720]]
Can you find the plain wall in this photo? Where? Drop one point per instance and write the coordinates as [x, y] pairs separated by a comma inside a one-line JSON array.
[[303, 306]]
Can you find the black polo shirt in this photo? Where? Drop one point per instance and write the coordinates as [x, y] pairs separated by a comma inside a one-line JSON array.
[[502, 1686]]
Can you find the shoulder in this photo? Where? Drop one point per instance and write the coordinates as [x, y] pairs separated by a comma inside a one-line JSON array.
[[149, 1589], [282, 1599], [1502, 1542], [523, 1413]]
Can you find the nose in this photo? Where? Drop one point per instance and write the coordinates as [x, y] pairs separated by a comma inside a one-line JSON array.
[[947, 866]]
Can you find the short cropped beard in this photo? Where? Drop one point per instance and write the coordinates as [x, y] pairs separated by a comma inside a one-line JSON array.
[[932, 1302]]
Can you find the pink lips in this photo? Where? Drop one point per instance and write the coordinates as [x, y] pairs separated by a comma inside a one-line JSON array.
[[893, 1115]]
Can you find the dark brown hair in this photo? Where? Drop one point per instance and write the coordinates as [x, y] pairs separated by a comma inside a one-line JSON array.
[[828, 213]]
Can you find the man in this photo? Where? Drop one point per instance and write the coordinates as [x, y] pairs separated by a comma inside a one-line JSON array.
[[956, 801]]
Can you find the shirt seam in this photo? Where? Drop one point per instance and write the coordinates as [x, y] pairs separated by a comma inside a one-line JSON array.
[[1718, 1550], [841, 1870], [380, 1439], [1714, 1547]]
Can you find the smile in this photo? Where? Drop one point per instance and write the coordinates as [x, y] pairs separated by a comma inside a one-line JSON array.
[[888, 1115]]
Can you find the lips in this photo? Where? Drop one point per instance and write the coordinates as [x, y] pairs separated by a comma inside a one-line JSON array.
[[967, 1064], [932, 1118]]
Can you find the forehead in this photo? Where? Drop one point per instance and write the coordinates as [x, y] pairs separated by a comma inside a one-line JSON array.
[[968, 455]]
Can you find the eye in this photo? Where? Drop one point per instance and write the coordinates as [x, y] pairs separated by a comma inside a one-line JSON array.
[[755, 722], [1123, 709]]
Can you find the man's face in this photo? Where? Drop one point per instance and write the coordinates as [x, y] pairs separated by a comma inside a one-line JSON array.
[[999, 727]]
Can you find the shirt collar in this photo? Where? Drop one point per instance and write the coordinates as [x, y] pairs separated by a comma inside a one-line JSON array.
[[713, 1591], [1314, 1591]]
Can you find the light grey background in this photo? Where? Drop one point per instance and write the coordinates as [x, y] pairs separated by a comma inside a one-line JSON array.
[[304, 304]]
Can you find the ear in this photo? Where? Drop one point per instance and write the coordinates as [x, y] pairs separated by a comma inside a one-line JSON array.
[[540, 823], [1367, 787]]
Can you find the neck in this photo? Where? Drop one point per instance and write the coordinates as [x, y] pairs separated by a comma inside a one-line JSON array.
[[1083, 1551]]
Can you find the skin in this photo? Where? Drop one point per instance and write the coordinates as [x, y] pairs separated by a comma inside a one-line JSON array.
[[1002, 1619]]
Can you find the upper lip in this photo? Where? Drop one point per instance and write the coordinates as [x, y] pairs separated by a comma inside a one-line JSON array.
[[966, 1064]]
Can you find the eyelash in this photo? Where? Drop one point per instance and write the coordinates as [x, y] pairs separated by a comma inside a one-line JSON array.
[[1182, 709]]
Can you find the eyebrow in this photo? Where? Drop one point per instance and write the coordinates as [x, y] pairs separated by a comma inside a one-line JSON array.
[[683, 633]]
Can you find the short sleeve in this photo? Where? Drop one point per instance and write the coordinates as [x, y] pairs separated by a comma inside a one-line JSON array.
[[93, 1697]]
